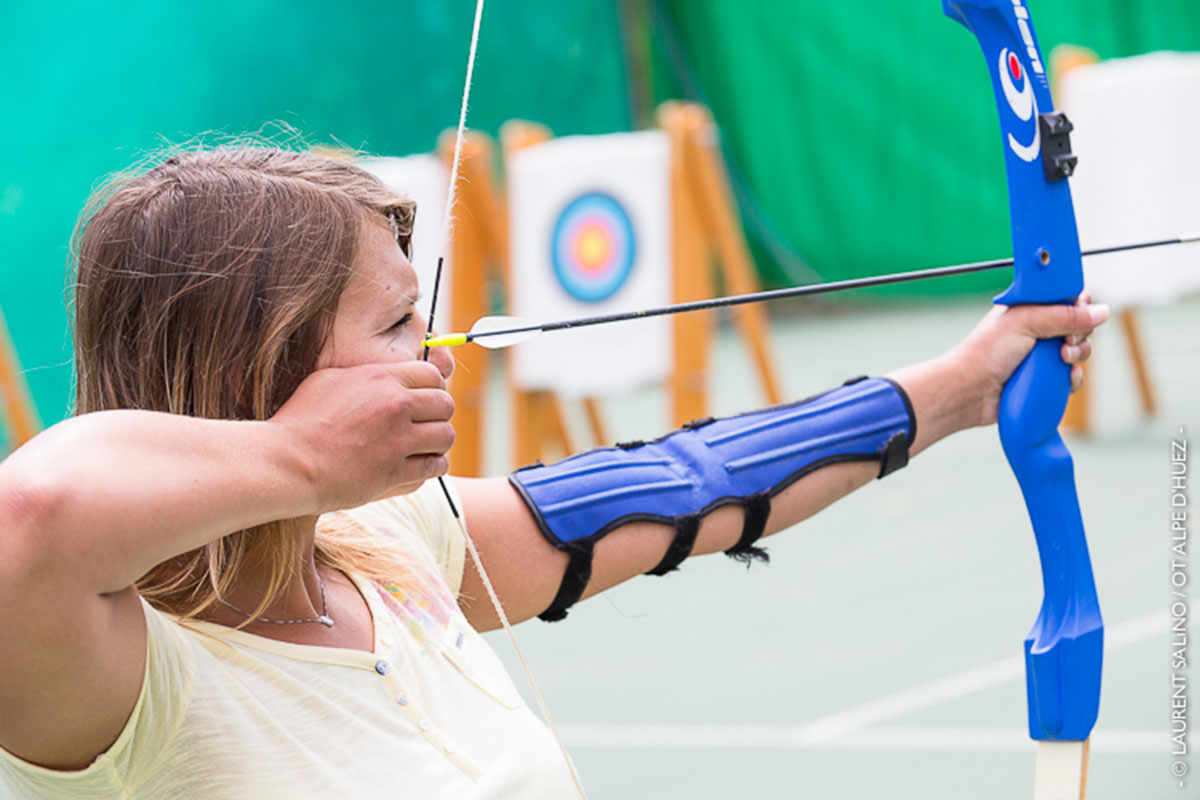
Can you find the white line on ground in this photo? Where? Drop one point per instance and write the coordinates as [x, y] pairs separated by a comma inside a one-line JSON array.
[[858, 719], [792, 737]]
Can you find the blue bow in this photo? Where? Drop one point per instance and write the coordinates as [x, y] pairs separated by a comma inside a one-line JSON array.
[[1064, 650]]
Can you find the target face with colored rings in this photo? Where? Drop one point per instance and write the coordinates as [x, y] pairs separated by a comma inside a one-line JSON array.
[[592, 248]]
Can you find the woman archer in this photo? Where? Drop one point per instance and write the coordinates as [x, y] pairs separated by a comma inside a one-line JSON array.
[[229, 574]]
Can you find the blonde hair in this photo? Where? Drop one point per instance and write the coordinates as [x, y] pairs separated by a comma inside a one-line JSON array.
[[207, 286]]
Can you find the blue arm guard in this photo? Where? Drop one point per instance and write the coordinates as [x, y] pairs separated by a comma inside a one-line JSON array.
[[743, 460]]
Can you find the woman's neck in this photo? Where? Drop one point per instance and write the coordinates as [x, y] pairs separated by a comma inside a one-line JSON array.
[[302, 596], [310, 593]]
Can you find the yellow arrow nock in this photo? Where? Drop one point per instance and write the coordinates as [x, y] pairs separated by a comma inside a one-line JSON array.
[[446, 340]]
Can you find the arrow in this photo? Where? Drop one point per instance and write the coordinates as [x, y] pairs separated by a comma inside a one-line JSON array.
[[504, 331]]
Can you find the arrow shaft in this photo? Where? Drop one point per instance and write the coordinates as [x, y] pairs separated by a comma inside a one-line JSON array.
[[808, 290]]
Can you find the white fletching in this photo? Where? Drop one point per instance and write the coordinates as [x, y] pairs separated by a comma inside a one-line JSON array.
[[502, 323]]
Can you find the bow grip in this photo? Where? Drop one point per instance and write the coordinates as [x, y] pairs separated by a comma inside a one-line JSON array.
[[1064, 649]]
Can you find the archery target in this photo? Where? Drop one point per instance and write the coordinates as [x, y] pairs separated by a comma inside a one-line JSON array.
[[592, 247], [589, 235]]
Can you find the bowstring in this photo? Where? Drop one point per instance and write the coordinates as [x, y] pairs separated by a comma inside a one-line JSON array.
[[444, 242]]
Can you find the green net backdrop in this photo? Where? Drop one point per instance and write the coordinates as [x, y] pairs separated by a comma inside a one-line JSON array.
[[864, 131]]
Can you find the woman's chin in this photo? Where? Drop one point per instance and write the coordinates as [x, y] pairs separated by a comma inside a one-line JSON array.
[[404, 488]]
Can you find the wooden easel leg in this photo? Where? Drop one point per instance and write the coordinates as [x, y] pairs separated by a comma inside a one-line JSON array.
[[719, 216], [591, 407], [541, 432], [691, 277], [1133, 337], [526, 428], [1077, 418], [555, 420], [18, 407]]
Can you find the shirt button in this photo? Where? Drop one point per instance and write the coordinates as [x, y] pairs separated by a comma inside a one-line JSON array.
[[402, 698], [451, 748], [425, 724], [382, 667]]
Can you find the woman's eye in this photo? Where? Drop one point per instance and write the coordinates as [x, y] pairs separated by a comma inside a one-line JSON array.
[[400, 323]]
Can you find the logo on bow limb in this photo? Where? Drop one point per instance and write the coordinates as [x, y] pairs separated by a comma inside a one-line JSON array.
[[1021, 101]]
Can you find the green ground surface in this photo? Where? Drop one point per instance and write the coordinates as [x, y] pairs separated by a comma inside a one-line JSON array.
[[706, 683]]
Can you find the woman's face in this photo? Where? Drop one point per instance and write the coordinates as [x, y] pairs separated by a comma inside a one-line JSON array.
[[377, 320]]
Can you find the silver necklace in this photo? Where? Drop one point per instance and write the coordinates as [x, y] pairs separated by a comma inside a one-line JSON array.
[[324, 619]]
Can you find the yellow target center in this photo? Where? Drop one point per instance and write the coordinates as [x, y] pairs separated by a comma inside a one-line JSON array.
[[593, 248]]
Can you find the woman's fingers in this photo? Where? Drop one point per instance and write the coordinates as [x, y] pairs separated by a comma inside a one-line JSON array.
[[1077, 347], [1073, 323], [368, 429], [1049, 322], [1084, 301], [1076, 378], [430, 405], [1077, 353]]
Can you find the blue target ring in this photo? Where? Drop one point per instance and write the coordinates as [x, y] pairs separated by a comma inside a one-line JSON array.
[[592, 248]]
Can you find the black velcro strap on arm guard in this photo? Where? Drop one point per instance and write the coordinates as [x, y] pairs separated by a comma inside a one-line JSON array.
[[742, 460]]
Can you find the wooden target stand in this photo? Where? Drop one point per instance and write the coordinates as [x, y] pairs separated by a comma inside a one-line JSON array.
[[480, 241], [706, 231], [19, 418]]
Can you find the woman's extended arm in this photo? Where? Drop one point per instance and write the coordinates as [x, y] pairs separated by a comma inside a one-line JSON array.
[[957, 390]]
